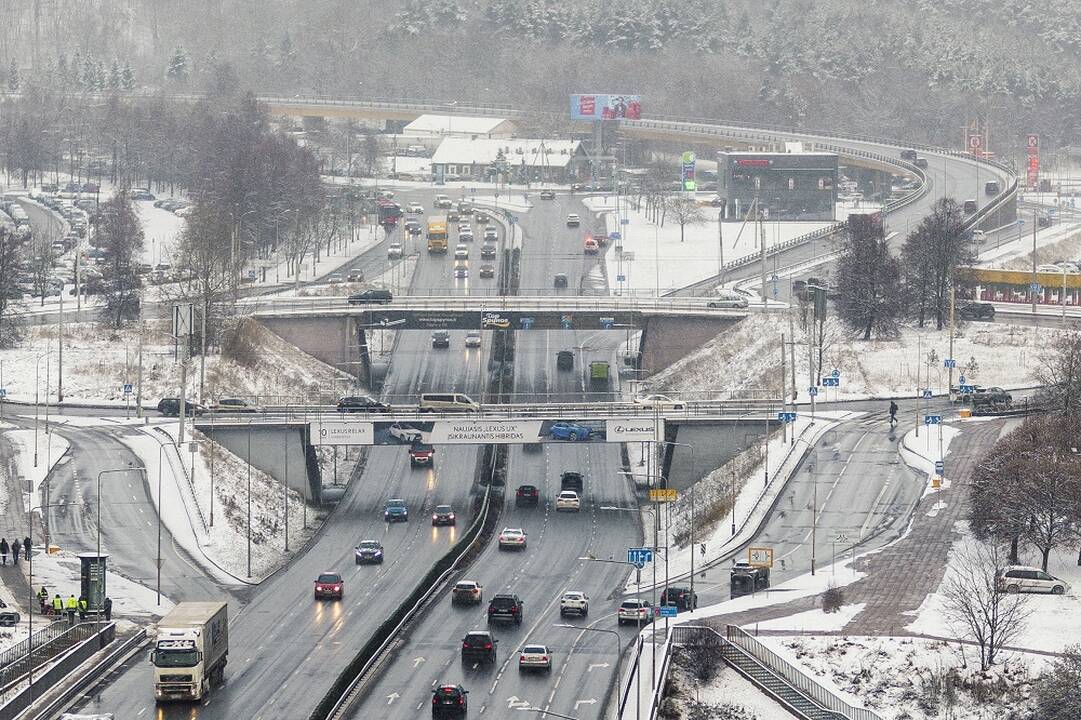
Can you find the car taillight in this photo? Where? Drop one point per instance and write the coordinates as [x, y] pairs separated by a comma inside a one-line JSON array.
[[465, 645], [514, 611], [544, 658], [522, 658], [461, 701], [487, 646]]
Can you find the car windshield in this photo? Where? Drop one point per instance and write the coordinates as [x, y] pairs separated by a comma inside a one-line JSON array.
[[176, 658], [327, 578], [465, 586], [535, 650], [444, 509], [369, 545], [396, 504]]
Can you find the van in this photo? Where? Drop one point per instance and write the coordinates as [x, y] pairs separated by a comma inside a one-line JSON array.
[[447, 402], [598, 373], [971, 206], [565, 360], [991, 187]]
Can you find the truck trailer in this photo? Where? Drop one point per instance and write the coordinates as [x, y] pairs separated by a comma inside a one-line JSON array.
[[191, 646]]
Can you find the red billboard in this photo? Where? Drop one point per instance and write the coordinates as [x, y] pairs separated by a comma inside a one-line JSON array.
[[1032, 150]]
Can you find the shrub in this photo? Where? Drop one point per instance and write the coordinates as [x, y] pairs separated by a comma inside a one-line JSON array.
[[833, 599]]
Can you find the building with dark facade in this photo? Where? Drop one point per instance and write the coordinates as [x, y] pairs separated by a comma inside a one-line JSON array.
[[789, 186]]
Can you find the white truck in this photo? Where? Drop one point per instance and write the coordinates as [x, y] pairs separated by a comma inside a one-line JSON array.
[[191, 646]]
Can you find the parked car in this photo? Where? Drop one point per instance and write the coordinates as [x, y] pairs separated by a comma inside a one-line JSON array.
[[1022, 578]]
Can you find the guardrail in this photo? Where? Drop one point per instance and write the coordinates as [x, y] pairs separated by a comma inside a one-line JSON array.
[[51, 642]]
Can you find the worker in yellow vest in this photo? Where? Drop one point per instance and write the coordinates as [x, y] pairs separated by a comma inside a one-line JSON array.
[[71, 606]]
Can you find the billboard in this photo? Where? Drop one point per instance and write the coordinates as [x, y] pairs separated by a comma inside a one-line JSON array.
[[606, 107], [686, 172], [468, 431], [1032, 150]]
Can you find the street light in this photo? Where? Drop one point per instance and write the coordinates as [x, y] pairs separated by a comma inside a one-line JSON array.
[[619, 655], [692, 484], [115, 471], [37, 383]]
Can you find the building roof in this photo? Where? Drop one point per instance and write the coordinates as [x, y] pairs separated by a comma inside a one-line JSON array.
[[457, 124], [483, 151]]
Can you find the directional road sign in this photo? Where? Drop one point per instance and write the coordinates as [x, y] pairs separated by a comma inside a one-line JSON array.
[[1034, 287], [639, 556], [625, 221], [949, 363], [3, 392], [621, 278], [831, 382], [786, 417], [967, 389], [932, 419], [659, 495], [669, 611], [841, 537], [760, 556], [615, 236], [940, 467]]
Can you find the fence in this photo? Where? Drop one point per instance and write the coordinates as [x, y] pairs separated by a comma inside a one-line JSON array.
[[16, 661]]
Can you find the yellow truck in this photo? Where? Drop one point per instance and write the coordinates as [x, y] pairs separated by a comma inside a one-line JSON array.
[[437, 234]]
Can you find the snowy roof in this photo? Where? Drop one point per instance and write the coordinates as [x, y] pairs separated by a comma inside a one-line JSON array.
[[457, 124], [483, 151]]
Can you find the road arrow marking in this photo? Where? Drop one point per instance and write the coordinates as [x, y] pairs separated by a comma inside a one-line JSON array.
[[392, 697], [583, 702], [513, 703], [417, 661], [593, 665]]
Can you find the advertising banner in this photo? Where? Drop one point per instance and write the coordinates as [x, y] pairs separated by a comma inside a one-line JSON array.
[[686, 174], [634, 429], [341, 432], [606, 107], [1032, 149]]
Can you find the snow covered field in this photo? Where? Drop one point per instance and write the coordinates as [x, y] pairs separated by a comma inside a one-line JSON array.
[[747, 356], [51, 448]]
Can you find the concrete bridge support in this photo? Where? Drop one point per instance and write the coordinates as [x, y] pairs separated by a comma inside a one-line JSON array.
[[667, 339], [338, 341]]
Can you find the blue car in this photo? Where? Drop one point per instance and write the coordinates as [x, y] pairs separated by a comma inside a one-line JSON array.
[[569, 431], [396, 511]]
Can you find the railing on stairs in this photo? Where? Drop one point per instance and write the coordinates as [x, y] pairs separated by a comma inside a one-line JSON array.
[[737, 638]]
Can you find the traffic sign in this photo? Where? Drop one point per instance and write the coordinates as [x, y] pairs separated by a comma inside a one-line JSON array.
[[949, 363], [831, 382], [967, 389], [927, 393], [607, 322], [812, 391], [841, 537], [639, 556], [625, 221], [615, 236], [932, 419], [940, 467], [1034, 287], [566, 322], [760, 556], [786, 417], [513, 219], [660, 495], [669, 611], [251, 274], [3, 392], [621, 278], [127, 388], [961, 379], [836, 373]]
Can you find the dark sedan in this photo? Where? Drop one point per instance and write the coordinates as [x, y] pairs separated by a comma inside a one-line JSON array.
[[362, 404]]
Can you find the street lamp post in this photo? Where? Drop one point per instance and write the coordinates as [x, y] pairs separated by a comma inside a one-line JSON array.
[[116, 471], [692, 484], [37, 384], [619, 655]]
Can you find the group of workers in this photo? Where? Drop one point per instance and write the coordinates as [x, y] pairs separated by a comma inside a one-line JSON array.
[[72, 606]]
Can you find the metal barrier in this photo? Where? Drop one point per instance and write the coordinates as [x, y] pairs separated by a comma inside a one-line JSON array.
[[47, 644]]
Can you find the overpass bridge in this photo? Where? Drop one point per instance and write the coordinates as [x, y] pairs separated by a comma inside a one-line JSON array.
[[333, 331]]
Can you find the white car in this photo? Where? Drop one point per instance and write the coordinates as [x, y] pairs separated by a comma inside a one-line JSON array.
[[394, 251], [636, 612], [568, 500], [442, 201], [405, 434], [472, 339], [464, 227], [461, 252], [659, 402], [512, 538], [574, 601], [535, 657], [573, 220], [415, 208], [465, 236]]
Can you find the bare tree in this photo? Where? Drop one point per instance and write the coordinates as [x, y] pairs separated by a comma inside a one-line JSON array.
[[685, 211], [1060, 373], [934, 255], [869, 279], [371, 153], [41, 256], [121, 235], [1058, 693], [10, 325], [975, 609]]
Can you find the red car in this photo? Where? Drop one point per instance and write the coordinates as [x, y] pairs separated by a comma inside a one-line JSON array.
[[421, 455], [329, 585], [591, 247]]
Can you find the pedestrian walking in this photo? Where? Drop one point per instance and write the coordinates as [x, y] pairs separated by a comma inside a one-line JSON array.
[[108, 607], [26, 546], [83, 606], [15, 548], [4, 551], [43, 599], [71, 606], [58, 605]]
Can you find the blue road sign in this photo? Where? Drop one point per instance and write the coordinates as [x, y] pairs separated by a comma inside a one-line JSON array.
[[940, 467], [831, 382], [812, 391], [1034, 287], [927, 393], [961, 379], [607, 322], [639, 556], [967, 389], [669, 611], [836, 373], [786, 417], [949, 363], [527, 323], [615, 236], [932, 419], [3, 392], [513, 219], [621, 278], [566, 322], [127, 388], [625, 221]]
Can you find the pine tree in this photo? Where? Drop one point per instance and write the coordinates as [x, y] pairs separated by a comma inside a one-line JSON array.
[[90, 73], [869, 280], [179, 70], [286, 52], [75, 71], [61, 76], [114, 75], [127, 78], [13, 77]]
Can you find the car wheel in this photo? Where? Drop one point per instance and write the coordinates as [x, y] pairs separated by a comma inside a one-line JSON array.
[[1013, 589], [1058, 590], [585, 612], [358, 561], [548, 669]]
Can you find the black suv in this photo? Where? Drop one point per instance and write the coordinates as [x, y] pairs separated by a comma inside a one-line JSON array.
[[527, 496], [449, 701], [479, 645], [680, 597], [371, 297], [571, 480], [362, 404], [976, 311], [505, 606], [440, 339], [171, 406]]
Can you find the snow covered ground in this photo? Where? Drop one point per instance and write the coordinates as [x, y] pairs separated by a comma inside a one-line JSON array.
[[728, 695], [161, 232], [51, 448], [59, 573], [98, 361], [747, 356]]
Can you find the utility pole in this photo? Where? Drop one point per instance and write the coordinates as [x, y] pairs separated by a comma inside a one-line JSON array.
[[1034, 285], [202, 351], [919, 388], [761, 228], [139, 376], [720, 245], [60, 352], [953, 361], [784, 397]]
